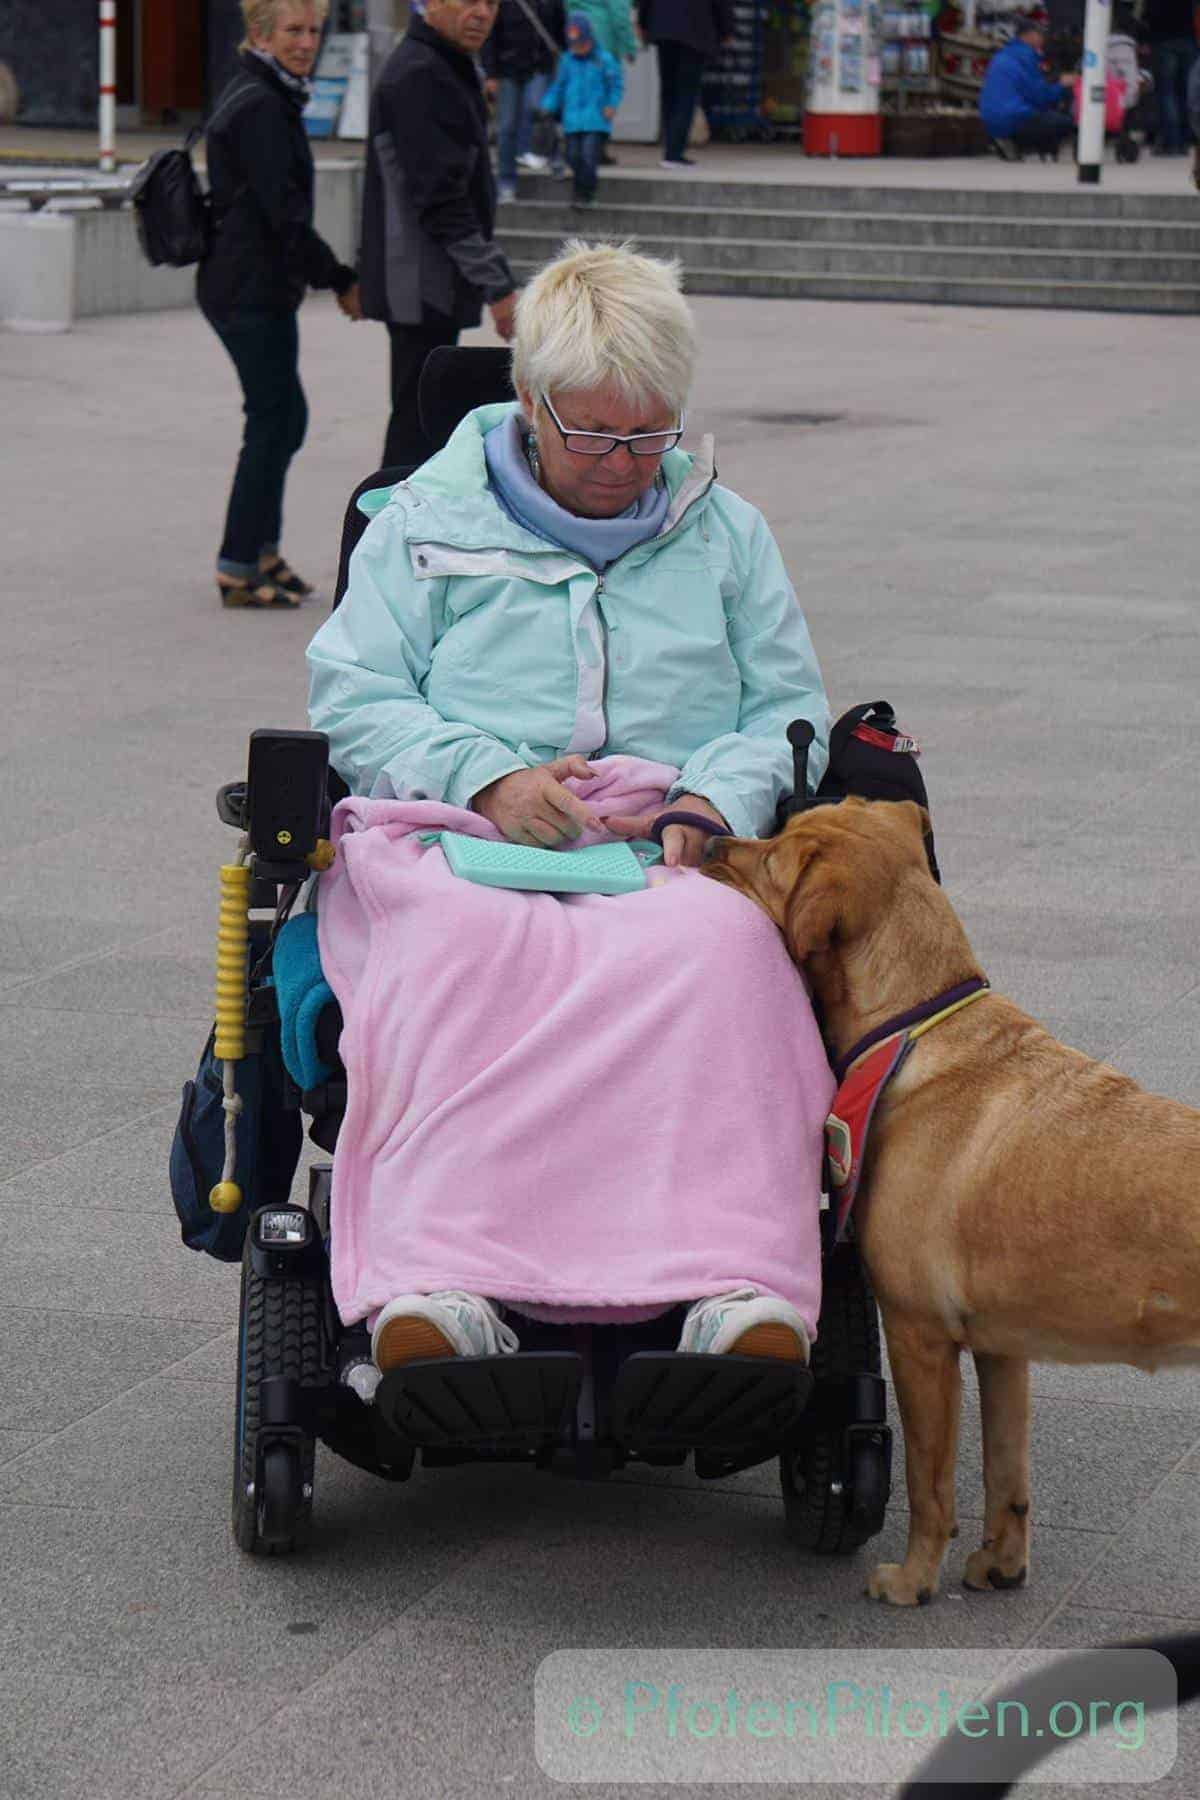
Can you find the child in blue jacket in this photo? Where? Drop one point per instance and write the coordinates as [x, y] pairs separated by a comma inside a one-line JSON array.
[[585, 94]]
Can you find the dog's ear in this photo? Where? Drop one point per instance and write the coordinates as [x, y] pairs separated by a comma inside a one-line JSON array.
[[813, 903]]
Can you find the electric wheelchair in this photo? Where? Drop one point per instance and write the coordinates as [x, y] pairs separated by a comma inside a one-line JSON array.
[[576, 1400]]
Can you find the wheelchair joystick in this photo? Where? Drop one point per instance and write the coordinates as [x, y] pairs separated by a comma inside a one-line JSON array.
[[801, 733]]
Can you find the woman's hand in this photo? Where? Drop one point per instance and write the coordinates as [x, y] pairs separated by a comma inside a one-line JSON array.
[[531, 806], [351, 302], [683, 845]]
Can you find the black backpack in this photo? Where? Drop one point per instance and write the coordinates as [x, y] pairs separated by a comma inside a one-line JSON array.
[[174, 214], [173, 220], [869, 755]]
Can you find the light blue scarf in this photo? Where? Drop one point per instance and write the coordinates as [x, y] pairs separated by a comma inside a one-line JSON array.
[[598, 541]]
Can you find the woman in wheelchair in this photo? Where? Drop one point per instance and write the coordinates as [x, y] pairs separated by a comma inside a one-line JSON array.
[[560, 631]]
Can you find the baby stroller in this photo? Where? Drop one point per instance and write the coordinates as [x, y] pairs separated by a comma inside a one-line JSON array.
[[1123, 117], [577, 1400]]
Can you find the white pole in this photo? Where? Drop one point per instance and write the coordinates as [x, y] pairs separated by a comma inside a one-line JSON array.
[[108, 86], [381, 29], [1091, 90]]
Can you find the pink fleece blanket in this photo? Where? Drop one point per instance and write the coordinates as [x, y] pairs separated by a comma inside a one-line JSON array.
[[581, 1102]]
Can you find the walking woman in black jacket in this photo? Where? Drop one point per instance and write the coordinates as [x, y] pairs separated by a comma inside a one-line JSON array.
[[264, 255]]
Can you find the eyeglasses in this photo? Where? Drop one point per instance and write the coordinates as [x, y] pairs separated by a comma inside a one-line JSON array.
[[603, 443]]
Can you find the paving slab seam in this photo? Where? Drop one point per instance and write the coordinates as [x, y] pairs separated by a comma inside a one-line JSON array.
[[107, 1011], [297, 1693], [162, 1109], [75, 1312], [1155, 1013], [1068, 1597], [113, 1400], [88, 957]]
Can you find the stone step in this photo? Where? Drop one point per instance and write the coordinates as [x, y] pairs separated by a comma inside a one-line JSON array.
[[750, 257], [961, 290], [698, 195], [1121, 236]]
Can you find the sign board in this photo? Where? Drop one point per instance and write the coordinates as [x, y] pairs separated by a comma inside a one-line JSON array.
[[330, 84]]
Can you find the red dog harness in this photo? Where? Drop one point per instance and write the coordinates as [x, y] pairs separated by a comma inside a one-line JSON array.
[[862, 1075]]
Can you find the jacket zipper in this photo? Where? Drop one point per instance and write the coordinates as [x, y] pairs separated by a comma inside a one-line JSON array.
[[604, 636]]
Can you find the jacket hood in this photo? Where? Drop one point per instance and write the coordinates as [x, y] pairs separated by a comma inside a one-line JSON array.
[[459, 470]]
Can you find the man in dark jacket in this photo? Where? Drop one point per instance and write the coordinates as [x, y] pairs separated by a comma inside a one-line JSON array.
[[428, 262], [687, 33], [519, 62], [1170, 28]]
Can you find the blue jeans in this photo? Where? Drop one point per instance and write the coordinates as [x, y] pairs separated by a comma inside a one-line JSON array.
[[265, 348], [516, 103], [1172, 59], [583, 157]]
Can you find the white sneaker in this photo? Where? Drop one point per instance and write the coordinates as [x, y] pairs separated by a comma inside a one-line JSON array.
[[506, 193], [414, 1327], [536, 165], [745, 1323]]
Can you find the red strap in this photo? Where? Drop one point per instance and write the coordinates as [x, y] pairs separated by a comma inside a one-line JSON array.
[[885, 740], [850, 1117]]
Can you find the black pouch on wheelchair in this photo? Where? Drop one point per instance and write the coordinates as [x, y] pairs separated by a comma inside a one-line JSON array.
[[870, 756], [268, 1147]]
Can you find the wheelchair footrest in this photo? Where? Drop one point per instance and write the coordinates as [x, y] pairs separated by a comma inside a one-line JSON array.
[[678, 1401], [516, 1402]]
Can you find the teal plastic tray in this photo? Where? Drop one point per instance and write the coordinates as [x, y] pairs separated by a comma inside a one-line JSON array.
[[600, 869]]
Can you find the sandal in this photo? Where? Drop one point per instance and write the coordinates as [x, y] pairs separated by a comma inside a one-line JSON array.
[[253, 590], [285, 577]]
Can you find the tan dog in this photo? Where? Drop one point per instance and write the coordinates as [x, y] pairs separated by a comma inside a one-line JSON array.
[[1018, 1199]]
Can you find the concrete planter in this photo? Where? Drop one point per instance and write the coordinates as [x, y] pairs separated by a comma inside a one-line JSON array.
[[56, 267]]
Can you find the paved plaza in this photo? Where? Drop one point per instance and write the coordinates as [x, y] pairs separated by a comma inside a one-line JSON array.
[[991, 520]]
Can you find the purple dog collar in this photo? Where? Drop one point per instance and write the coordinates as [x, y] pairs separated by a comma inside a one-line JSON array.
[[682, 817]]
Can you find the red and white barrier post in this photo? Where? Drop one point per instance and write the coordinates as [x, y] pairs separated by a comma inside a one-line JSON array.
[[108, 86]]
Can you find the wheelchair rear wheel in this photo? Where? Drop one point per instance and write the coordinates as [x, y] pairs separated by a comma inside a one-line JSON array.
[[280, 1335], [836, 1472]]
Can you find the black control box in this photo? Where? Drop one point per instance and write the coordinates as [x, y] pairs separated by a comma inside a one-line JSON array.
[[287, 799]]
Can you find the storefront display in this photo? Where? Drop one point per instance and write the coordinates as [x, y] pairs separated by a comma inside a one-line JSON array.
[[755, 90], [857, 77]]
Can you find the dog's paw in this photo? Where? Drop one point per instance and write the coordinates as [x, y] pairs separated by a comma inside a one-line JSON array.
[[891, 1583], [985, 1575]]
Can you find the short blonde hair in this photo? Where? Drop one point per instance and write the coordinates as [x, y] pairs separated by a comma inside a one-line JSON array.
[[261, 16], [601, 315]]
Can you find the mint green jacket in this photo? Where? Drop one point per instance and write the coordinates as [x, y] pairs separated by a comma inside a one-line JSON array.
[[612, 22], [467, 647]]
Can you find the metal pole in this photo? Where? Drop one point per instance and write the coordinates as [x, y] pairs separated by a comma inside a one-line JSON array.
[[1091, 90], [108, 86]]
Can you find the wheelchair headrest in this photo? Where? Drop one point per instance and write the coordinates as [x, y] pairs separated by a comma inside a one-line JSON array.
[[456, 379]]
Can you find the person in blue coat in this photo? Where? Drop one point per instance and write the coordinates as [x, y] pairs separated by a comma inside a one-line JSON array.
[[585, 94], [1020, 109]]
